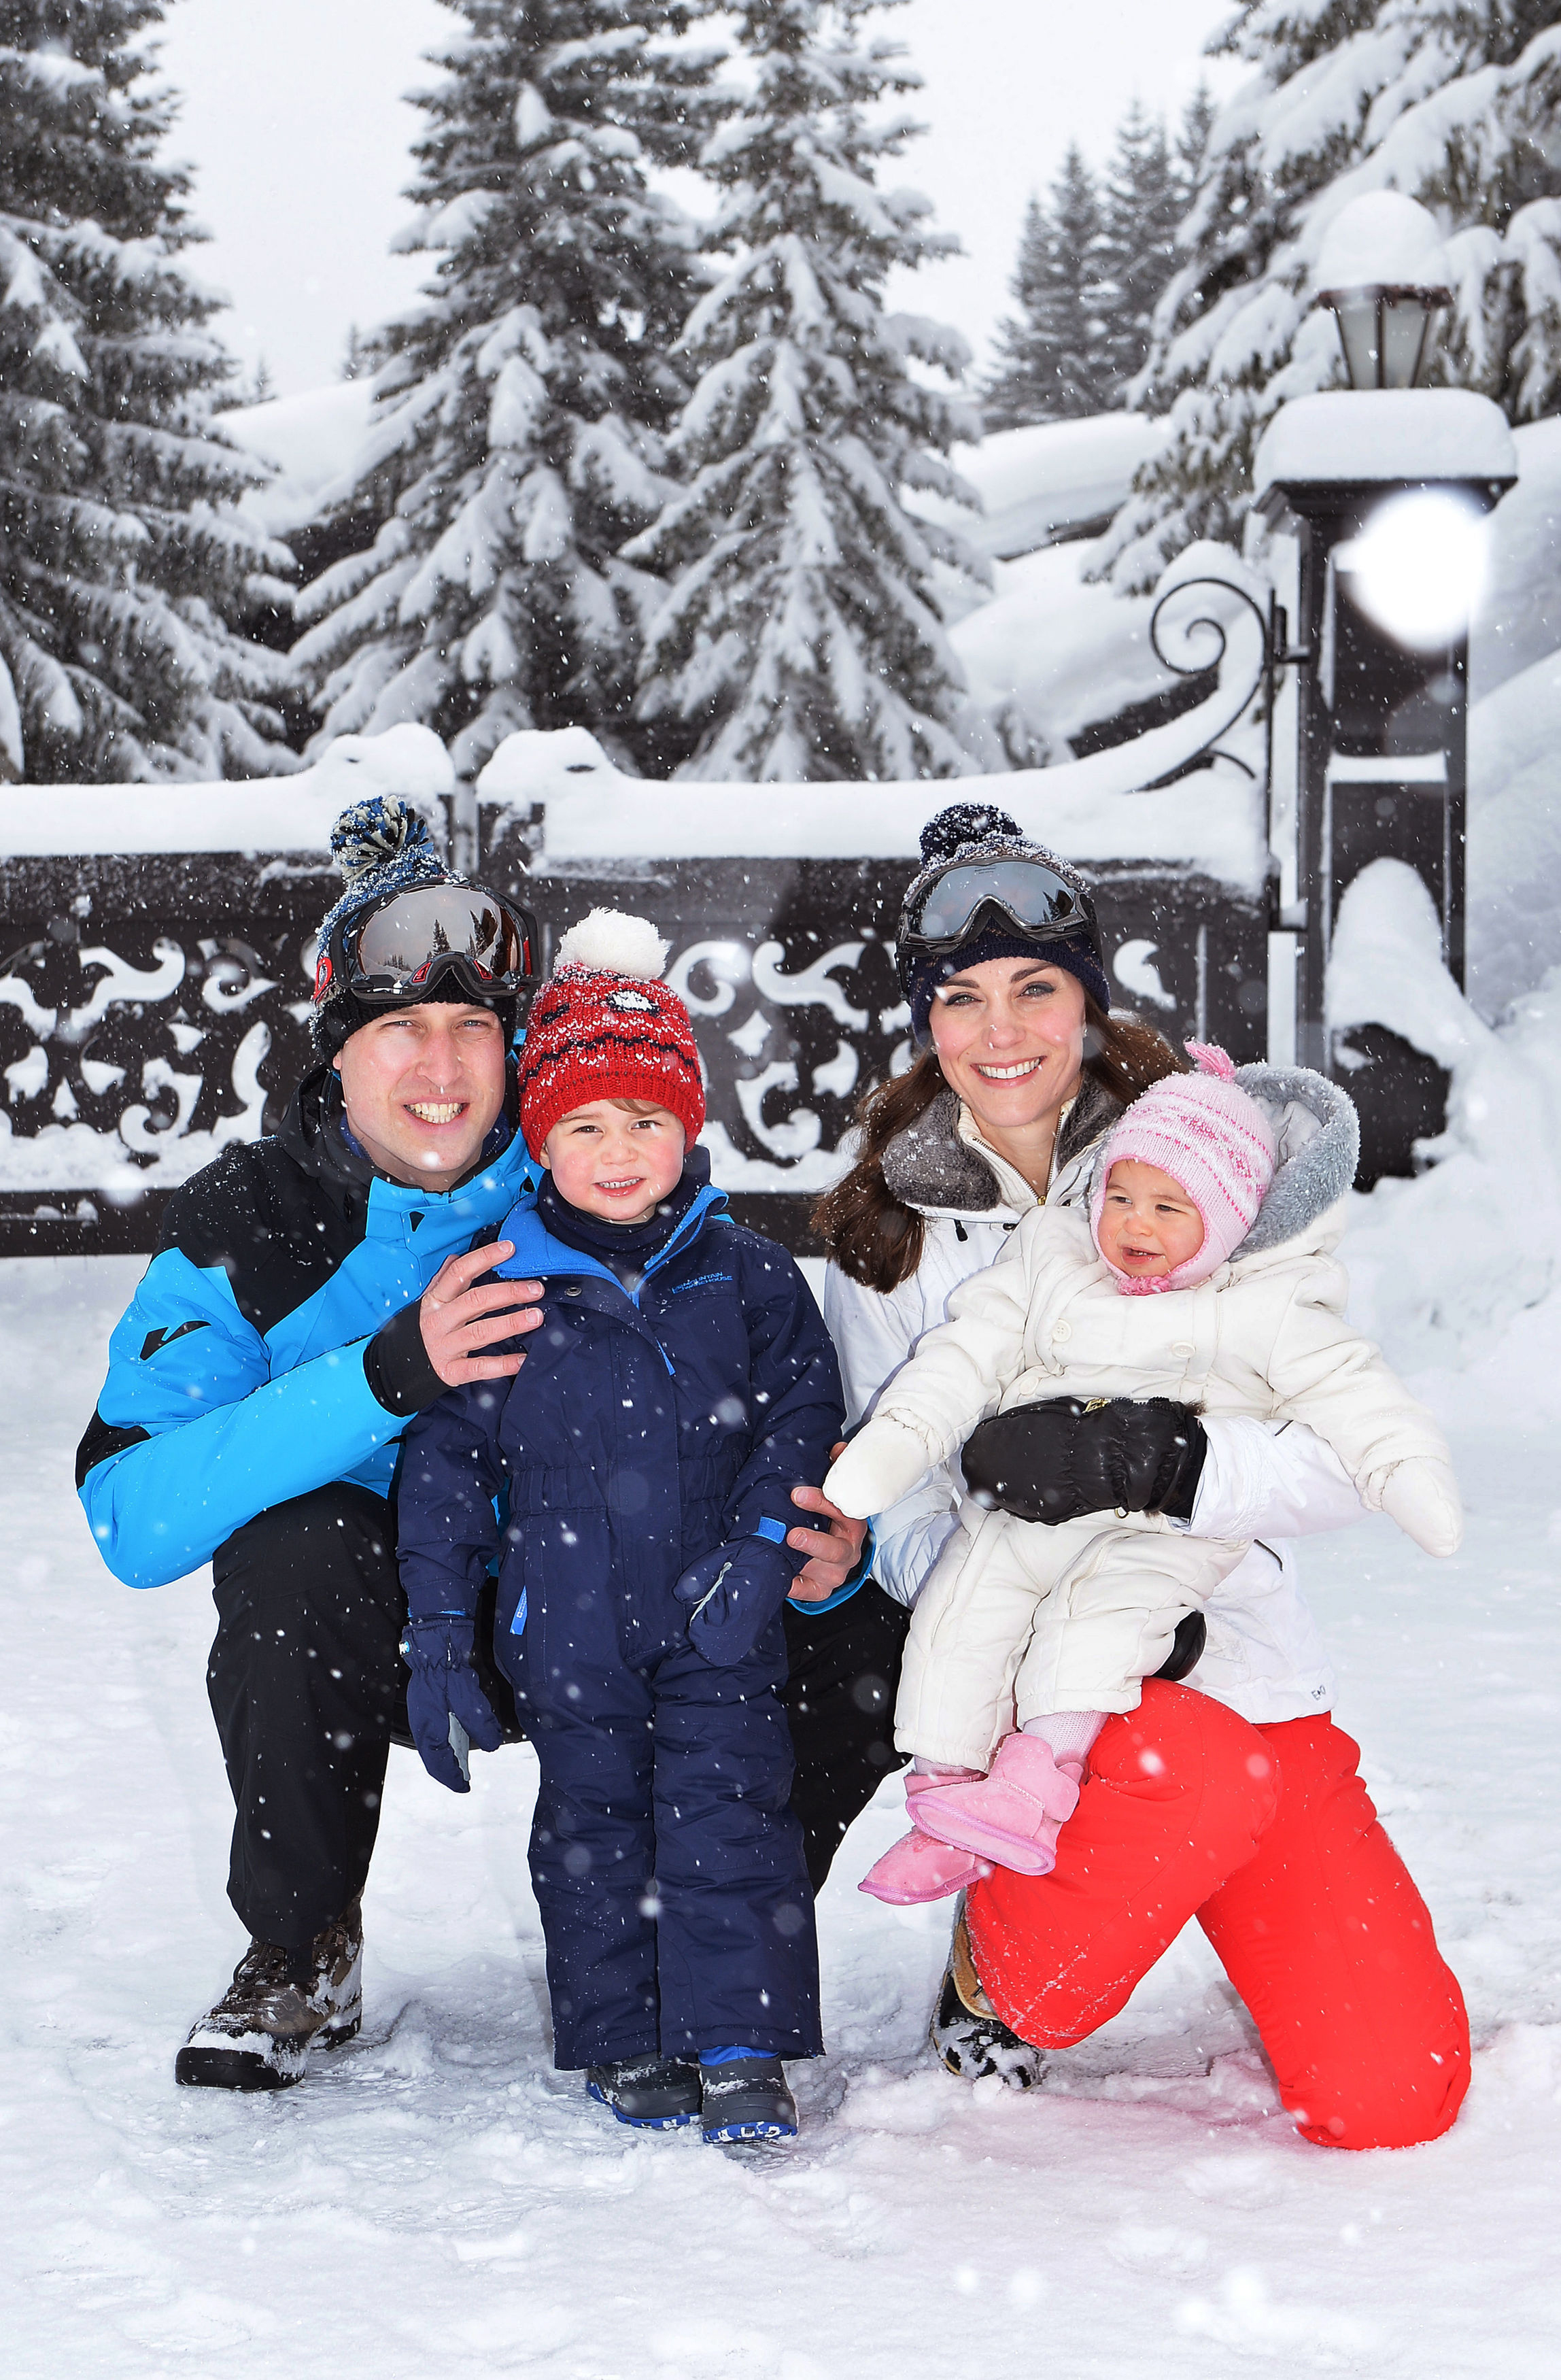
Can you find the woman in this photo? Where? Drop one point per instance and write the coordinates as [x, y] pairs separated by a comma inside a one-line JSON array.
[[1233, 1798]]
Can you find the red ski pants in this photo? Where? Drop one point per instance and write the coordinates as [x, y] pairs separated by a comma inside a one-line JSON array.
[[1267, 1837]]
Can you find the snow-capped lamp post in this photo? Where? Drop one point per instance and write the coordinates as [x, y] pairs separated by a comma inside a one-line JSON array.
[[1378, 497]]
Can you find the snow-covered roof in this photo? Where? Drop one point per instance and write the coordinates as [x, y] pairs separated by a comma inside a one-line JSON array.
[[294, 814], [1395, 433], [1087, 810], [1042, 481], [312, 439]]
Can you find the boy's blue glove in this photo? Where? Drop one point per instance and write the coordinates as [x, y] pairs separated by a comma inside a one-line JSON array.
[[733, 1593], [445, 1706]]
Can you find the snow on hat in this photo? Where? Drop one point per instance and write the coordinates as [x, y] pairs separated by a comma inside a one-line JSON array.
[[1212, 1138], [976, 830], [607, 1027], [380, 845]]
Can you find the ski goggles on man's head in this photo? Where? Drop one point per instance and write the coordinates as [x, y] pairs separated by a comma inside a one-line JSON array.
[[408, 941], [1017, 891]]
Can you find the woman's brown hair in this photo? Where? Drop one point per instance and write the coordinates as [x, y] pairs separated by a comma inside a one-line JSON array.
[[877, 1241]]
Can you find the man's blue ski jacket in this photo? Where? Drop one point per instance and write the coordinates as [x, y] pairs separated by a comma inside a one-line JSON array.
[[273, 1345]]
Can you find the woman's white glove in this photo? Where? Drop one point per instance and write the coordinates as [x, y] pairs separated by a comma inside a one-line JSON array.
[[883, 1462], [1423, 1496]]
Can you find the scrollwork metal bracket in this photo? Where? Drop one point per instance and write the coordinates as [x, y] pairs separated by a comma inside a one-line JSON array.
[[1273, 655]]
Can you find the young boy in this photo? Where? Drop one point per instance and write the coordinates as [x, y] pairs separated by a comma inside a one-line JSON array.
[[681, 1385]]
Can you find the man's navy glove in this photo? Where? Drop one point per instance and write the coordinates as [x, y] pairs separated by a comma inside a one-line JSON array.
[[1059, 1460], [446, 1707], [733, 1593]]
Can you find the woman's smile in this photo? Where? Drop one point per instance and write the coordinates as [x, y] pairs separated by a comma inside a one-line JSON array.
[[996, 1074]]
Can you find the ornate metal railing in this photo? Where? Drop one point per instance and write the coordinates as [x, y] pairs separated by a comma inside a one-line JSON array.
[[153, 1008]]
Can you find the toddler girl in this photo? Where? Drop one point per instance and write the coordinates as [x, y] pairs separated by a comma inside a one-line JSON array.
[[1202, 1272]]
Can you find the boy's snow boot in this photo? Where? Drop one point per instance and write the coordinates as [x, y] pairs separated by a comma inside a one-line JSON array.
[[279, 2004], [657, 2093], [968, 2035], [746, 2099], [1012, 1815]]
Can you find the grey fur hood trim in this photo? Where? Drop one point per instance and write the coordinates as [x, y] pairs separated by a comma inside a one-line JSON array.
[[1319, 1137], [1318, 1134], [928, 1166]]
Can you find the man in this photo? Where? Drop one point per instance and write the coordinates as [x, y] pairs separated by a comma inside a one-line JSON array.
[[310, 1292]]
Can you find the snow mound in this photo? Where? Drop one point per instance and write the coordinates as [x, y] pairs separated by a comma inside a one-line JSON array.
[[1518, 621], [1063, 653], [1514, 836], [1044, 482], [312, 439], [1441, 1265], [1385, 241]]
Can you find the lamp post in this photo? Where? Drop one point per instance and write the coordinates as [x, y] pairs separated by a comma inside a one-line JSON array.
[[1378, 497]]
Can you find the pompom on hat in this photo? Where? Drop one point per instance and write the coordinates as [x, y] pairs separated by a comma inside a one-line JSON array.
[[979, 830], [1205, 1132], [605, 1026]]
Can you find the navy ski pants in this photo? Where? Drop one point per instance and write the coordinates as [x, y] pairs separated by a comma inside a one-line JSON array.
[[667, 1864]]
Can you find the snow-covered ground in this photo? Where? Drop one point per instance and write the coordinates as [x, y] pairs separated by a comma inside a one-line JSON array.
[[436, 2198]]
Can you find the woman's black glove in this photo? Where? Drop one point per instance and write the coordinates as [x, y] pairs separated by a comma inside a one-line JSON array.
[[1057, 1461]]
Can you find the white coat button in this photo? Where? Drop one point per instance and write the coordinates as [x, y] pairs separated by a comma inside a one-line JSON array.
[[1061, 1330], [1182, 1347]]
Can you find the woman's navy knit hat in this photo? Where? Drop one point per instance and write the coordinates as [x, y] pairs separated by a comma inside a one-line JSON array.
[[977, 831]]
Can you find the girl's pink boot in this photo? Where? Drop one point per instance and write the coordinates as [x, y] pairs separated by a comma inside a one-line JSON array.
[[1010, 1816], [918, 1867]]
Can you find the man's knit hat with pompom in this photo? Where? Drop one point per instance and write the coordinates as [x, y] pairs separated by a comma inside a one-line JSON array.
[[607, 1027], [381, 846]]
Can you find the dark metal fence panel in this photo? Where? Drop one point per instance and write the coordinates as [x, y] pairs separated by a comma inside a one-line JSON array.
[[153, 1009]]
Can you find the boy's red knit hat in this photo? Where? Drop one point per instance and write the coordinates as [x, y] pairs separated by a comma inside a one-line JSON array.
[[605, 1026]]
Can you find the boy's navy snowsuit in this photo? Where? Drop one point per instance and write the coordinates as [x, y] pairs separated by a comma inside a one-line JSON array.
[[653, 1437]]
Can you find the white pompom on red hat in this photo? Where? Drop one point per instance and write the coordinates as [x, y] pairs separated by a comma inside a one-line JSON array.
[[1205, 1132], [605, 1026]]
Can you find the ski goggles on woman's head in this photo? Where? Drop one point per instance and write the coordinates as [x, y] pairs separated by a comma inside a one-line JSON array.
[[1022, 894], [409, 940]]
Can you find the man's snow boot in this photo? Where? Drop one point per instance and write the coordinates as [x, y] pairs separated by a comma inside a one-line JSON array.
[[657, 2093], [969, 2035], [278, 2006], [746, 2099]]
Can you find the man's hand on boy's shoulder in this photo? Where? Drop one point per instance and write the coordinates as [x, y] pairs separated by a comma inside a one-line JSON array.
[[833, 1552], [460, 1320]]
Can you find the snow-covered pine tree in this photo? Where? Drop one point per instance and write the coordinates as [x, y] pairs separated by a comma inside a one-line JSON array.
[[801, 638], [1453, 103], [515, 442], [1053, 355], [1143, 199], [123, 561]]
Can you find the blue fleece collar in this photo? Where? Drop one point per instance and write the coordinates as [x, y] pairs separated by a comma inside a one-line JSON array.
[[540, 1257]]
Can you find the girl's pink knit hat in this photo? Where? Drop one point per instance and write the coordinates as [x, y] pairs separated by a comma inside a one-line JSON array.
[[1212, 1138]]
